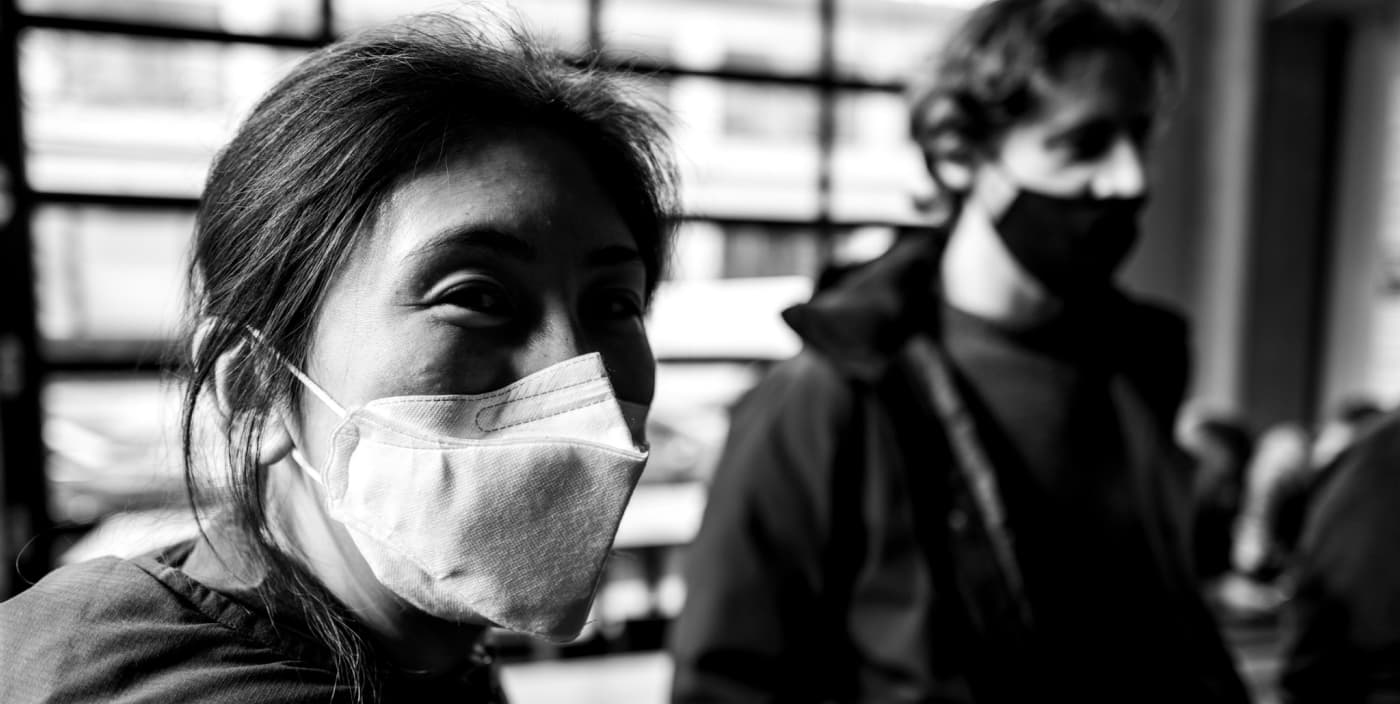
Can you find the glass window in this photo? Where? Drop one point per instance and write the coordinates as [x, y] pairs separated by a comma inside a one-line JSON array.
[[877, 171], [745, 149], [710, 250], [126, 115], [562, 23], [108, 274], [884, 40], [290, 17], [112, 445], [771, 36], [756, 250]]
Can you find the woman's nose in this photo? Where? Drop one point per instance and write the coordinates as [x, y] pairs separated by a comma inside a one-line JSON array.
[[1121, 172], [558, 337]]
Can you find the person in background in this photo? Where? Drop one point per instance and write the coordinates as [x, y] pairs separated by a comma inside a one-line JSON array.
[[1222, 447], [966, 487], [1280, 465], [417, 383], [1342, 625], [1291, 466], [1351, 419]]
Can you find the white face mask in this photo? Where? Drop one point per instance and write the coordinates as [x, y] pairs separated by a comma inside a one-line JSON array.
[[501, 505]]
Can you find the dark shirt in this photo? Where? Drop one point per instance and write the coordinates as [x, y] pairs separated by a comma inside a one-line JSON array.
[[1047, 417], [141, 630]]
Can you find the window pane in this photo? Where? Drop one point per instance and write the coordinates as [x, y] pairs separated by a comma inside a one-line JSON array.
[[884, 40], [745, 149], [116, 114], [710, 250], [725, 319], [109, 274], [294, 17], [877, 170], [772, 36], [112, 445], [561, 23]]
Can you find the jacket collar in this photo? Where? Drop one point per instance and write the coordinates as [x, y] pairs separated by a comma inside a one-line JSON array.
[[862, 320]]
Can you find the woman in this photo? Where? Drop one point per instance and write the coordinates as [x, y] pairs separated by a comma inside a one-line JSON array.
[[419, 376]]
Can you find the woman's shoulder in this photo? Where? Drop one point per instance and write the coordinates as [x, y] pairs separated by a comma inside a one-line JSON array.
[[85, 595], [137, 629]]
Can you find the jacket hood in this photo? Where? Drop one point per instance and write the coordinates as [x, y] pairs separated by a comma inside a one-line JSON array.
[[862, 320]]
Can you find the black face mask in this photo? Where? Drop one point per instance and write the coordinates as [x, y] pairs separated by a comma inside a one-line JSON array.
[[1072, 246]]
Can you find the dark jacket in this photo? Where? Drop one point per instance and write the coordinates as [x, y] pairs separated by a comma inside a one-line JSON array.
[[842, 558], [1343, 639], [141, 630]]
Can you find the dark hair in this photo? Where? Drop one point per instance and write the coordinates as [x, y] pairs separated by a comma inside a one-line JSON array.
[[986, 77], [298, 189]]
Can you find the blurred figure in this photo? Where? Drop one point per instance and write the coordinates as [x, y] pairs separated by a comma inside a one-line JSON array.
[[1281, 466], [1222, 447], [1343, 634], [965, 488], [1352, 418], [1242, 551], [1290, 467]]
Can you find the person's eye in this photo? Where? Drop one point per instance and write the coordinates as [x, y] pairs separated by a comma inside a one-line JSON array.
[[615, 304], [1086, 145], [486, 301]]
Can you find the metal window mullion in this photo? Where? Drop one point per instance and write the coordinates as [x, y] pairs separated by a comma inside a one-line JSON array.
[[116, 200], [153, 31], [327, 11], [595, 28], [25, 552], [826, 126]]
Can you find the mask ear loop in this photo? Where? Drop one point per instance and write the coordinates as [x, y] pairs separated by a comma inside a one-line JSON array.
[[301, 376], [321, 395]]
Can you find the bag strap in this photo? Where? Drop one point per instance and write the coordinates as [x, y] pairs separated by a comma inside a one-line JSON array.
[[925, 363]]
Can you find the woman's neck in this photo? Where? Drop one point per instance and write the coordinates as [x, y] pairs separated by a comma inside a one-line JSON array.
[[414, 641]]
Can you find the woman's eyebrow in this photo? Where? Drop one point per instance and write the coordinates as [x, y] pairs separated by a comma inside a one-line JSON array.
[[477, 238]]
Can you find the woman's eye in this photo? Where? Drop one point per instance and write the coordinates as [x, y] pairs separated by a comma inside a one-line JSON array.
[[616, 304], [479, 297]]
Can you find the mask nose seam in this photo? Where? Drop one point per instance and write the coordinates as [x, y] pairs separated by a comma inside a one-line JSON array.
[[532, 419]]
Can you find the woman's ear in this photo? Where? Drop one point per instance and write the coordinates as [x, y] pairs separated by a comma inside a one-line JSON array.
[[275, 441]]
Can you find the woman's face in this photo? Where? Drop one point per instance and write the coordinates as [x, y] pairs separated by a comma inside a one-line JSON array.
[[505, 259]]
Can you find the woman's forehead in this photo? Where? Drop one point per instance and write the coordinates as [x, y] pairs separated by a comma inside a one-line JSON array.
[[530, 184]]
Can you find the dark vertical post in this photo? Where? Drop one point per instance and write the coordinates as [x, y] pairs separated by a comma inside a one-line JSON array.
[[1295, 167], [595, 27], [327, 21], [826, 125], [25, 550]]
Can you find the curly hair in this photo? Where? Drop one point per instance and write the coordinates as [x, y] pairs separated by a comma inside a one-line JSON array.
[[989, 76]]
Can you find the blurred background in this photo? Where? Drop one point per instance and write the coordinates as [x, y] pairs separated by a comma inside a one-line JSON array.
[[1269, 227]]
